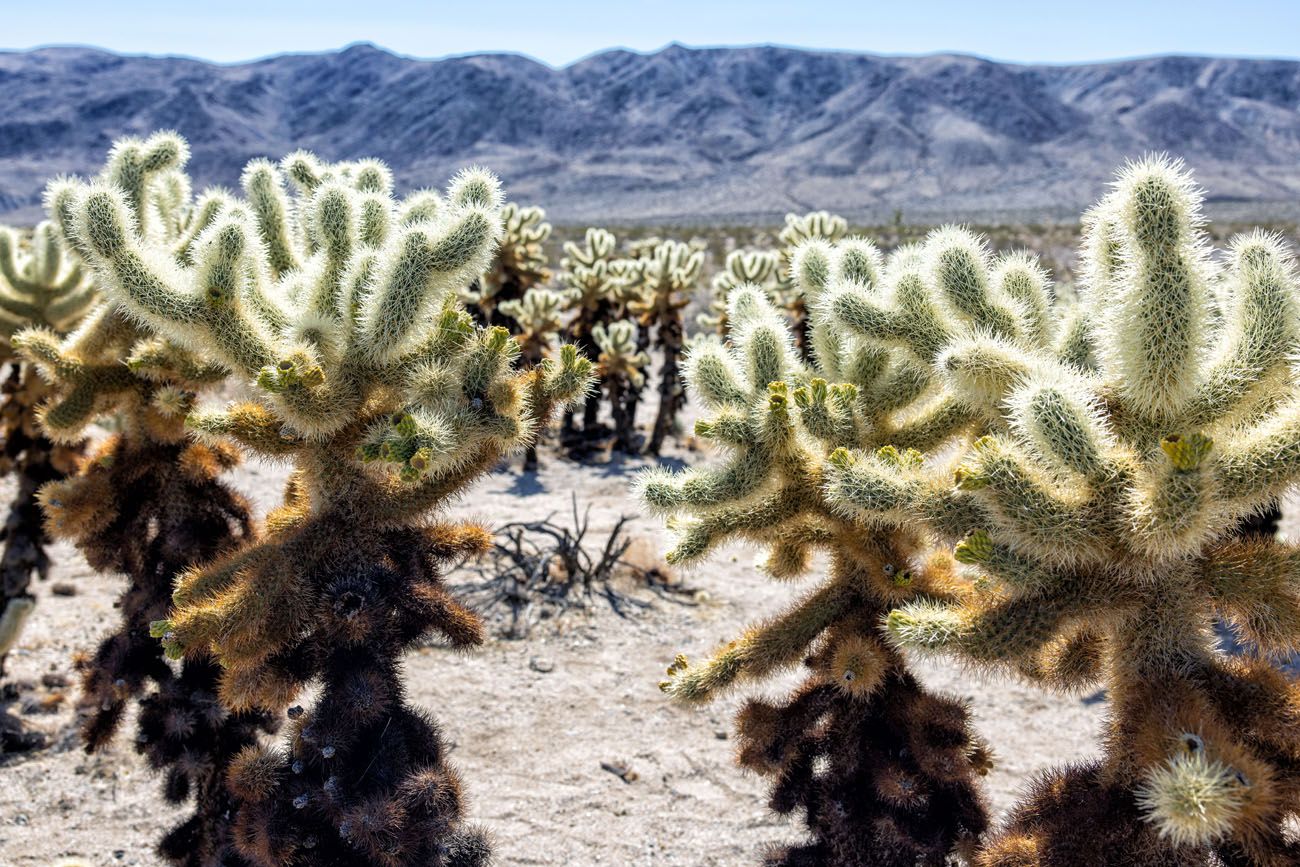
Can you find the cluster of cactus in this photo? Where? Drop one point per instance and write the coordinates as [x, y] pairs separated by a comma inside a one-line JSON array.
[[519, 265], [617, 306], [41, 284], [338, 305], [1092, 463]]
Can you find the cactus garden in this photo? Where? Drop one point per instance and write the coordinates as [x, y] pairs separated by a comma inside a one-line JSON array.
[[355, 523]]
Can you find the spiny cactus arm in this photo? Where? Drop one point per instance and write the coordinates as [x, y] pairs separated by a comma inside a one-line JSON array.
[[1262, 329], [1002, 631], [939, 422], [958, 264], [1193, 800], [753, 521], [762, 649], [893, 489], [1076, 344], [150, 287], [426, 261], [133, 164], [1070, 663], [1049, 522], [85, 388], [1020, 279], [1058, 416], [715, 376], [251, 425], [159, 361], [828, 412], [1263, 461], [11, 270], [1255, 586], [1159, 317], [983, 370], [1019, 573], [263, 186], [921, 329], [1172, 509]]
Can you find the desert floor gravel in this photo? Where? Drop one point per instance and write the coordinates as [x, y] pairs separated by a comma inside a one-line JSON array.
[[532, 721]]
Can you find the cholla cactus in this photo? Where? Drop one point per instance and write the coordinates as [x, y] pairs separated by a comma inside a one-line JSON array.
[[340, 310], [148, 503], [669, 271], [601, 285], [742, 267], [41, 284], [883, 769], [798, 230], [539, 318], [1100, 521], [621, 369], [519, 265]]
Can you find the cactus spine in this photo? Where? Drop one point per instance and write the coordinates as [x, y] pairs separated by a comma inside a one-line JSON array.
[[338, 305], [1099, 518]]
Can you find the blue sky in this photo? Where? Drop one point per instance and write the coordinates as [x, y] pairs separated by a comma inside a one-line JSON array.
[[560, 31]]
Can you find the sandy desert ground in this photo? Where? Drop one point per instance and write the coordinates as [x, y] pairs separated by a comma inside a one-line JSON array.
[[532, 721]]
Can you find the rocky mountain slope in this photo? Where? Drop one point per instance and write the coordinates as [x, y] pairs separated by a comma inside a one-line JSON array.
[[683, 134]]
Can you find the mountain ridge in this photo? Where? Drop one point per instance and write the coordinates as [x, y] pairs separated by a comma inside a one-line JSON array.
[[682, 134]]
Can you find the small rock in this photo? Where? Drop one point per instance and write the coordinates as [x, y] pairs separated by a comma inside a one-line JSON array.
[[54, 681], [541, 664], [63, 588], [721, 734], [622, 770]]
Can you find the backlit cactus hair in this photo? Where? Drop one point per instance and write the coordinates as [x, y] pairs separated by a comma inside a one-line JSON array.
[[1101, 523], [538, 319], [42, 284], [519, 265], [620, 367], [798, 230], [148, 503], [338, 307], [741, 267], [884, 770], [669, 272]]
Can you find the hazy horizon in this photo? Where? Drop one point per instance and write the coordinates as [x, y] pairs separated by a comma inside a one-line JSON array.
[[565, 31]]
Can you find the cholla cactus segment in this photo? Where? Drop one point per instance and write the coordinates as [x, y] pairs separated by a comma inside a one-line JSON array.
[[389, 400], [779, 421], [40, 285], [520, 263], [741, 267], [1101, 514], [818, 227]]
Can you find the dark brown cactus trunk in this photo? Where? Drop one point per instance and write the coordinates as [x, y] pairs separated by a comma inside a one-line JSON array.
[[155, 510], [671, 394], [34, 460]]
